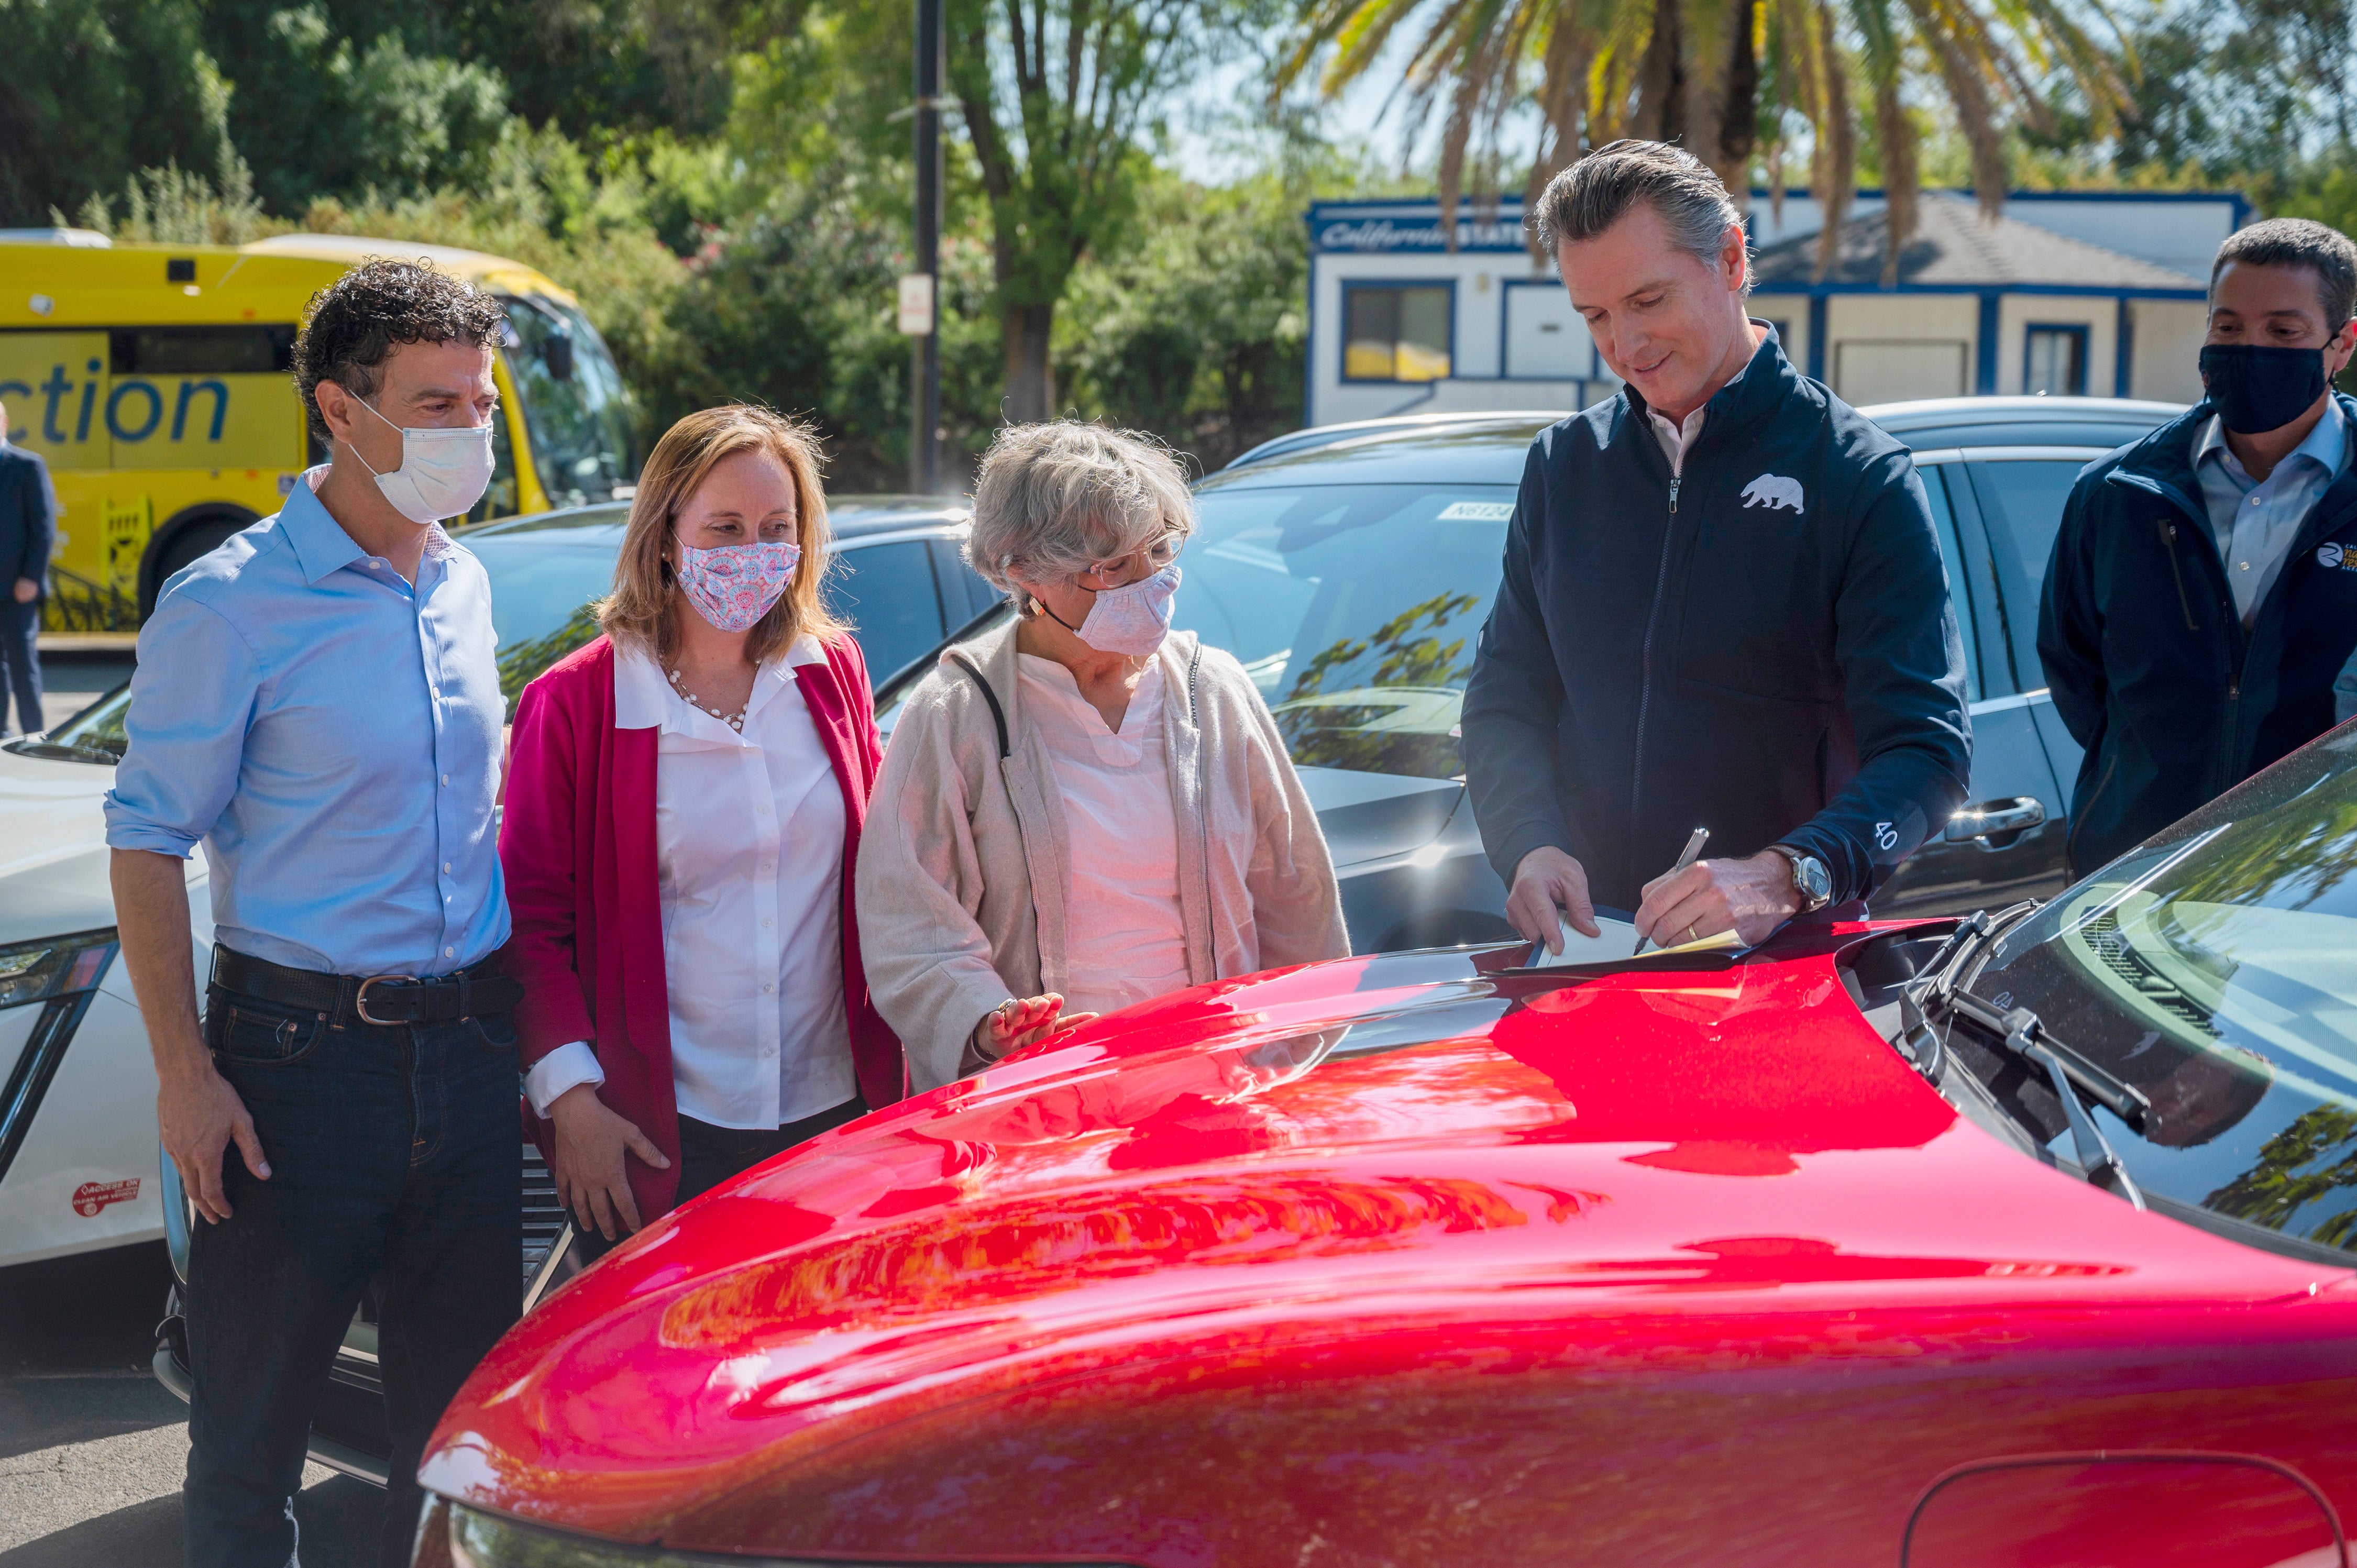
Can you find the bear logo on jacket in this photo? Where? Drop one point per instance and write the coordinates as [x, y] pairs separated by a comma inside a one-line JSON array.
[[1771, 491]]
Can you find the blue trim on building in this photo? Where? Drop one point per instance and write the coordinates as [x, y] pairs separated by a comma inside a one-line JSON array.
[[1984, 371], [2123, 350], [1818, 337]]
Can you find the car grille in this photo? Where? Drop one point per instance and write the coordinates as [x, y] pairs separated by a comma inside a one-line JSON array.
[[544, 1217]]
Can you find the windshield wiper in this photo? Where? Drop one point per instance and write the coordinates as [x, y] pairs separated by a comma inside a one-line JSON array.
[[2018, 1032], [1935, 994]]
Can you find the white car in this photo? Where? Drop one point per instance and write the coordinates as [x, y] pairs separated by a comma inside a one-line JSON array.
[[79, 1157], [78, 1166]]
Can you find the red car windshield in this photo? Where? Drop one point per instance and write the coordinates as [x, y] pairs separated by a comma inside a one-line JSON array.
[[2215, 969]]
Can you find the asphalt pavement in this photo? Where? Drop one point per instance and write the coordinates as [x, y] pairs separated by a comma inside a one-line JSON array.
[[92, 1448]]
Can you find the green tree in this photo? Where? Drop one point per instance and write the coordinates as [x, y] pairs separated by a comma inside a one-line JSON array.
[[1195, 327], [1056, 95], [318, 114], [97, 91]]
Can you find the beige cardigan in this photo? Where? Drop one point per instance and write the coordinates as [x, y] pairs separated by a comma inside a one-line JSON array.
[[963, 875]]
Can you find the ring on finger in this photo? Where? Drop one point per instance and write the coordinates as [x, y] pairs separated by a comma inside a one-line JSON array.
[[1689, 932]]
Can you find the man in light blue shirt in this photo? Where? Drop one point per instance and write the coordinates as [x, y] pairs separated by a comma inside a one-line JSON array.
[[317, 706]]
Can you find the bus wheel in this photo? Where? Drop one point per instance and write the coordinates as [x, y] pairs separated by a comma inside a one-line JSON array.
[[193, 533]]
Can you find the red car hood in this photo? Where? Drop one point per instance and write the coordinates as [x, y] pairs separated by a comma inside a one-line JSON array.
[[1323, 1145]]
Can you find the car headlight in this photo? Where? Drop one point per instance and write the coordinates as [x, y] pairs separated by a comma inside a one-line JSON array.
[[451, 1535], [55, 966]]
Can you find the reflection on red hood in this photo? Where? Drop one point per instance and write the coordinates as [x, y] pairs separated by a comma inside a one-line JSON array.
[[1314, 1152]]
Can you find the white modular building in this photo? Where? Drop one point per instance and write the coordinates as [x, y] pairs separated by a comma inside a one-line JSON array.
[[2070, 293]]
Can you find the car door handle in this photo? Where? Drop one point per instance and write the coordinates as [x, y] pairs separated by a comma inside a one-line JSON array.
[[1990, 819]]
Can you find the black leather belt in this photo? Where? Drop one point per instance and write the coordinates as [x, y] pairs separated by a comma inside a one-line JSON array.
[[381, 999]]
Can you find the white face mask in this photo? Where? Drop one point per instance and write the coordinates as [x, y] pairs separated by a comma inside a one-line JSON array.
[[443, 473], [1132, 619]]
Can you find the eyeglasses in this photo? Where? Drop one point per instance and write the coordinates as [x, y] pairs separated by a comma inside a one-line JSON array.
[[1153, 557]]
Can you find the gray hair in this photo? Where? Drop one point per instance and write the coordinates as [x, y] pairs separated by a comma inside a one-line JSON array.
[[1594, 193], [1055, 499], [2299, 243]]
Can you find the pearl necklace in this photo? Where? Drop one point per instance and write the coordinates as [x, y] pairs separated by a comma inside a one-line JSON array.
[[734, 721]]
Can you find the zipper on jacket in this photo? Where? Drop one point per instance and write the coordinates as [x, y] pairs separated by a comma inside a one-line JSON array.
[[1645, 664], [2168, 548]]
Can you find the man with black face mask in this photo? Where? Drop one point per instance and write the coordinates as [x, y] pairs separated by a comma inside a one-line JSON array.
[[2201, 600]]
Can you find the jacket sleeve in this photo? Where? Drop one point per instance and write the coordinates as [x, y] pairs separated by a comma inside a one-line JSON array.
[[538, 857], [1902, 668], [1512, 701], [1295, 901], [2069, 628], [920, 885]]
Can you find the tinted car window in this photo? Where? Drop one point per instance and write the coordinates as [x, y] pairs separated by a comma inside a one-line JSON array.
[[541, 589], [1952, 556], [963, 593], [1353, 608], [2022, 503], [886, 591], [95, 735], [2210, 967]]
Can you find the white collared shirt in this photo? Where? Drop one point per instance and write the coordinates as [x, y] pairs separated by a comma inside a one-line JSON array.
[[1127, 941], [1679, 438], [749, 841]]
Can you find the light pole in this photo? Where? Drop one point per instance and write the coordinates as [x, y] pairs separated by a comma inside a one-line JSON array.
[[925, 368]]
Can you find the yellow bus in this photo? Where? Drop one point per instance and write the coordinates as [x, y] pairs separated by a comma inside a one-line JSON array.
[[157, 381]]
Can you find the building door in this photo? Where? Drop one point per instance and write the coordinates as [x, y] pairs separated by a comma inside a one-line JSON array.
[[1546, 338]]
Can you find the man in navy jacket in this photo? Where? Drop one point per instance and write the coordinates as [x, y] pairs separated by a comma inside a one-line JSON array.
[[2203, 598], [28, 528], [1723, 604]]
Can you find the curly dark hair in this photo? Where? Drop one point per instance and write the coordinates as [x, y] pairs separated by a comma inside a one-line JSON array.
[[353, 324]]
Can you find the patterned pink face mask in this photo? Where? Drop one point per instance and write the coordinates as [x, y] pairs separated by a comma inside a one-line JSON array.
[[733, 586]]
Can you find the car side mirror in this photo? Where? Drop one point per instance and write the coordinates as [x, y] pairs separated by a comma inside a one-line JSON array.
[[557, 355]]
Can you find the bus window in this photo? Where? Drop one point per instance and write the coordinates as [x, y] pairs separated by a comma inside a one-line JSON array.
[[500, 497], [573, 403]]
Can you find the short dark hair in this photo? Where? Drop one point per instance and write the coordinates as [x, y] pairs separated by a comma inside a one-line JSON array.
[[354, 324], [2299, 243], [1594, 193]]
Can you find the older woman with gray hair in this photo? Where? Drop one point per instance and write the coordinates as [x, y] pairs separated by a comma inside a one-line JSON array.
[[1082, 810]]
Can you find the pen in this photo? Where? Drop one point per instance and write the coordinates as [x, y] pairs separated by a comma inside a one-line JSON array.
[[1694, 842]]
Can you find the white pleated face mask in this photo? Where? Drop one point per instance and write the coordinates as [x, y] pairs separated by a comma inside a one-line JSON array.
[[1132, 619], [443, 472]]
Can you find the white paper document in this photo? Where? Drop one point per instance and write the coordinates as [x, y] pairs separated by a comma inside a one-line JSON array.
[[1616, 939]]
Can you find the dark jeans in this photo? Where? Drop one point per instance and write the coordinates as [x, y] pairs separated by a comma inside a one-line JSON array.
[[393, 1158], [709, 1155], [20, 660]]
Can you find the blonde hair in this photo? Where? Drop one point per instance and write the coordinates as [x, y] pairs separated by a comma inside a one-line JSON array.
[[638, 611], [1053, 499]]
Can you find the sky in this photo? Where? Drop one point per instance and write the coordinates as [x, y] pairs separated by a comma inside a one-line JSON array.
[[1217, 135]]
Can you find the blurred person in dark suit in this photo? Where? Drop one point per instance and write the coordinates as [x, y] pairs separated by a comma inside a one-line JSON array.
[[29, 531]]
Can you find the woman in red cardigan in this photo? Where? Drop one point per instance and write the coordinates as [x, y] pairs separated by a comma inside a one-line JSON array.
[[683, 805]]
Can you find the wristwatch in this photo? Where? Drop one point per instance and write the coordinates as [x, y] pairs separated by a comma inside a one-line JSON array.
[[1812, 883]]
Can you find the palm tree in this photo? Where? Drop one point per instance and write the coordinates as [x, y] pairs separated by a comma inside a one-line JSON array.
[[1730, 80]]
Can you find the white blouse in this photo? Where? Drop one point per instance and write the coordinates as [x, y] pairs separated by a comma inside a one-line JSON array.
[[749, 840], [1127, 942]]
